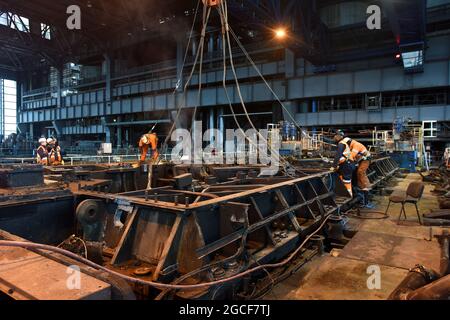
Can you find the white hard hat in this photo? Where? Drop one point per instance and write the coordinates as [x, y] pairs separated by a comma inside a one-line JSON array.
[[42, 140], [49, 140], [145, 139]]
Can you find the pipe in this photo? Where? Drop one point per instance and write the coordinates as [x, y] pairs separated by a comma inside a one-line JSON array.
[[438, 290], [30, 245], [445, 252], [417, 277]]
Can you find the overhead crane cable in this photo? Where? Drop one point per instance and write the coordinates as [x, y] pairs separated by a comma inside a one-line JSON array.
[[188, 81], [186, 52], [222, 14], [180, 76], [252, 62], [226, 26], [224, 5], [206, 15], [225, 68]]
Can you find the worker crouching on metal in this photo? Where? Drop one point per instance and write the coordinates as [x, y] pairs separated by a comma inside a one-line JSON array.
[[149, 140], [344, 162], [42, 153], [55, 153]]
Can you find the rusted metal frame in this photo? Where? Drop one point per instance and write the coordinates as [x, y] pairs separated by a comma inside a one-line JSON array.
[[304, 200], [167, 246], [125, 238], [216, 201], [230, 187], [217, 245], [142, 192], [280, 197], [35, 201], [261, 217], [319, 204], [198, 194], [199, 197], [386, 171]]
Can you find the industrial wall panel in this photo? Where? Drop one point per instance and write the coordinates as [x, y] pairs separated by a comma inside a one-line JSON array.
[[116, 107], [134, 89], [126, 106], [433, 75], [324, 117], [279, 87], [136, 105], [78, 112], [63, 113], [372, 117], [161, 102], [246, 93], [85, 109], [367, 81], [412, 113], [148, 104], [339, 84], [439, 113], [315, 86], [95, 110], [295, 89], [261, 92], [242, 72], [209, 97], [70, 112], [386, 115], [142, 87], [221, 95], [270, 68], [211, 77], [108, 108], [171, 101], [126, 90], [191, 99], [148, 86], [393, 79]]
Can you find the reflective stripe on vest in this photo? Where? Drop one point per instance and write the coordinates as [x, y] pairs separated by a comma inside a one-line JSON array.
[[347, 154]]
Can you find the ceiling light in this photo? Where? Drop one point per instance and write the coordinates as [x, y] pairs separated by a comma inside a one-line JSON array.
[[280, 33]]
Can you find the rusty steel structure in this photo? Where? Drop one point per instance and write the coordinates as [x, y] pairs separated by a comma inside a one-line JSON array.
[[201, 233]]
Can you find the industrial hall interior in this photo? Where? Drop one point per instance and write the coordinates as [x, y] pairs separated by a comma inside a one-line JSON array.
[[230, 150]]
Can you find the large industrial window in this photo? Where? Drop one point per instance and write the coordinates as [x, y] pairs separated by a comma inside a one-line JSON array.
[[15, 21], [430, 129], [46, 31], [4, 19], [9, 107]]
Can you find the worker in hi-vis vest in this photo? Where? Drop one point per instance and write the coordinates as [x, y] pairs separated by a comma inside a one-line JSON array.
[[344, 162], [362, 159], [42, 153], [149, 140]]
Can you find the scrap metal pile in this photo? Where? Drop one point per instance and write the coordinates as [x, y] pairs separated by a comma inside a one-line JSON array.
[[441, 179], [426, 284], [201, 232]]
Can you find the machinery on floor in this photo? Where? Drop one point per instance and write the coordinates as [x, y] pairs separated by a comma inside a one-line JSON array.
[[201, 232]]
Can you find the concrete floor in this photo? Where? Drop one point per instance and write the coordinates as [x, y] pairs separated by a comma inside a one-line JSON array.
[[394, 248]]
